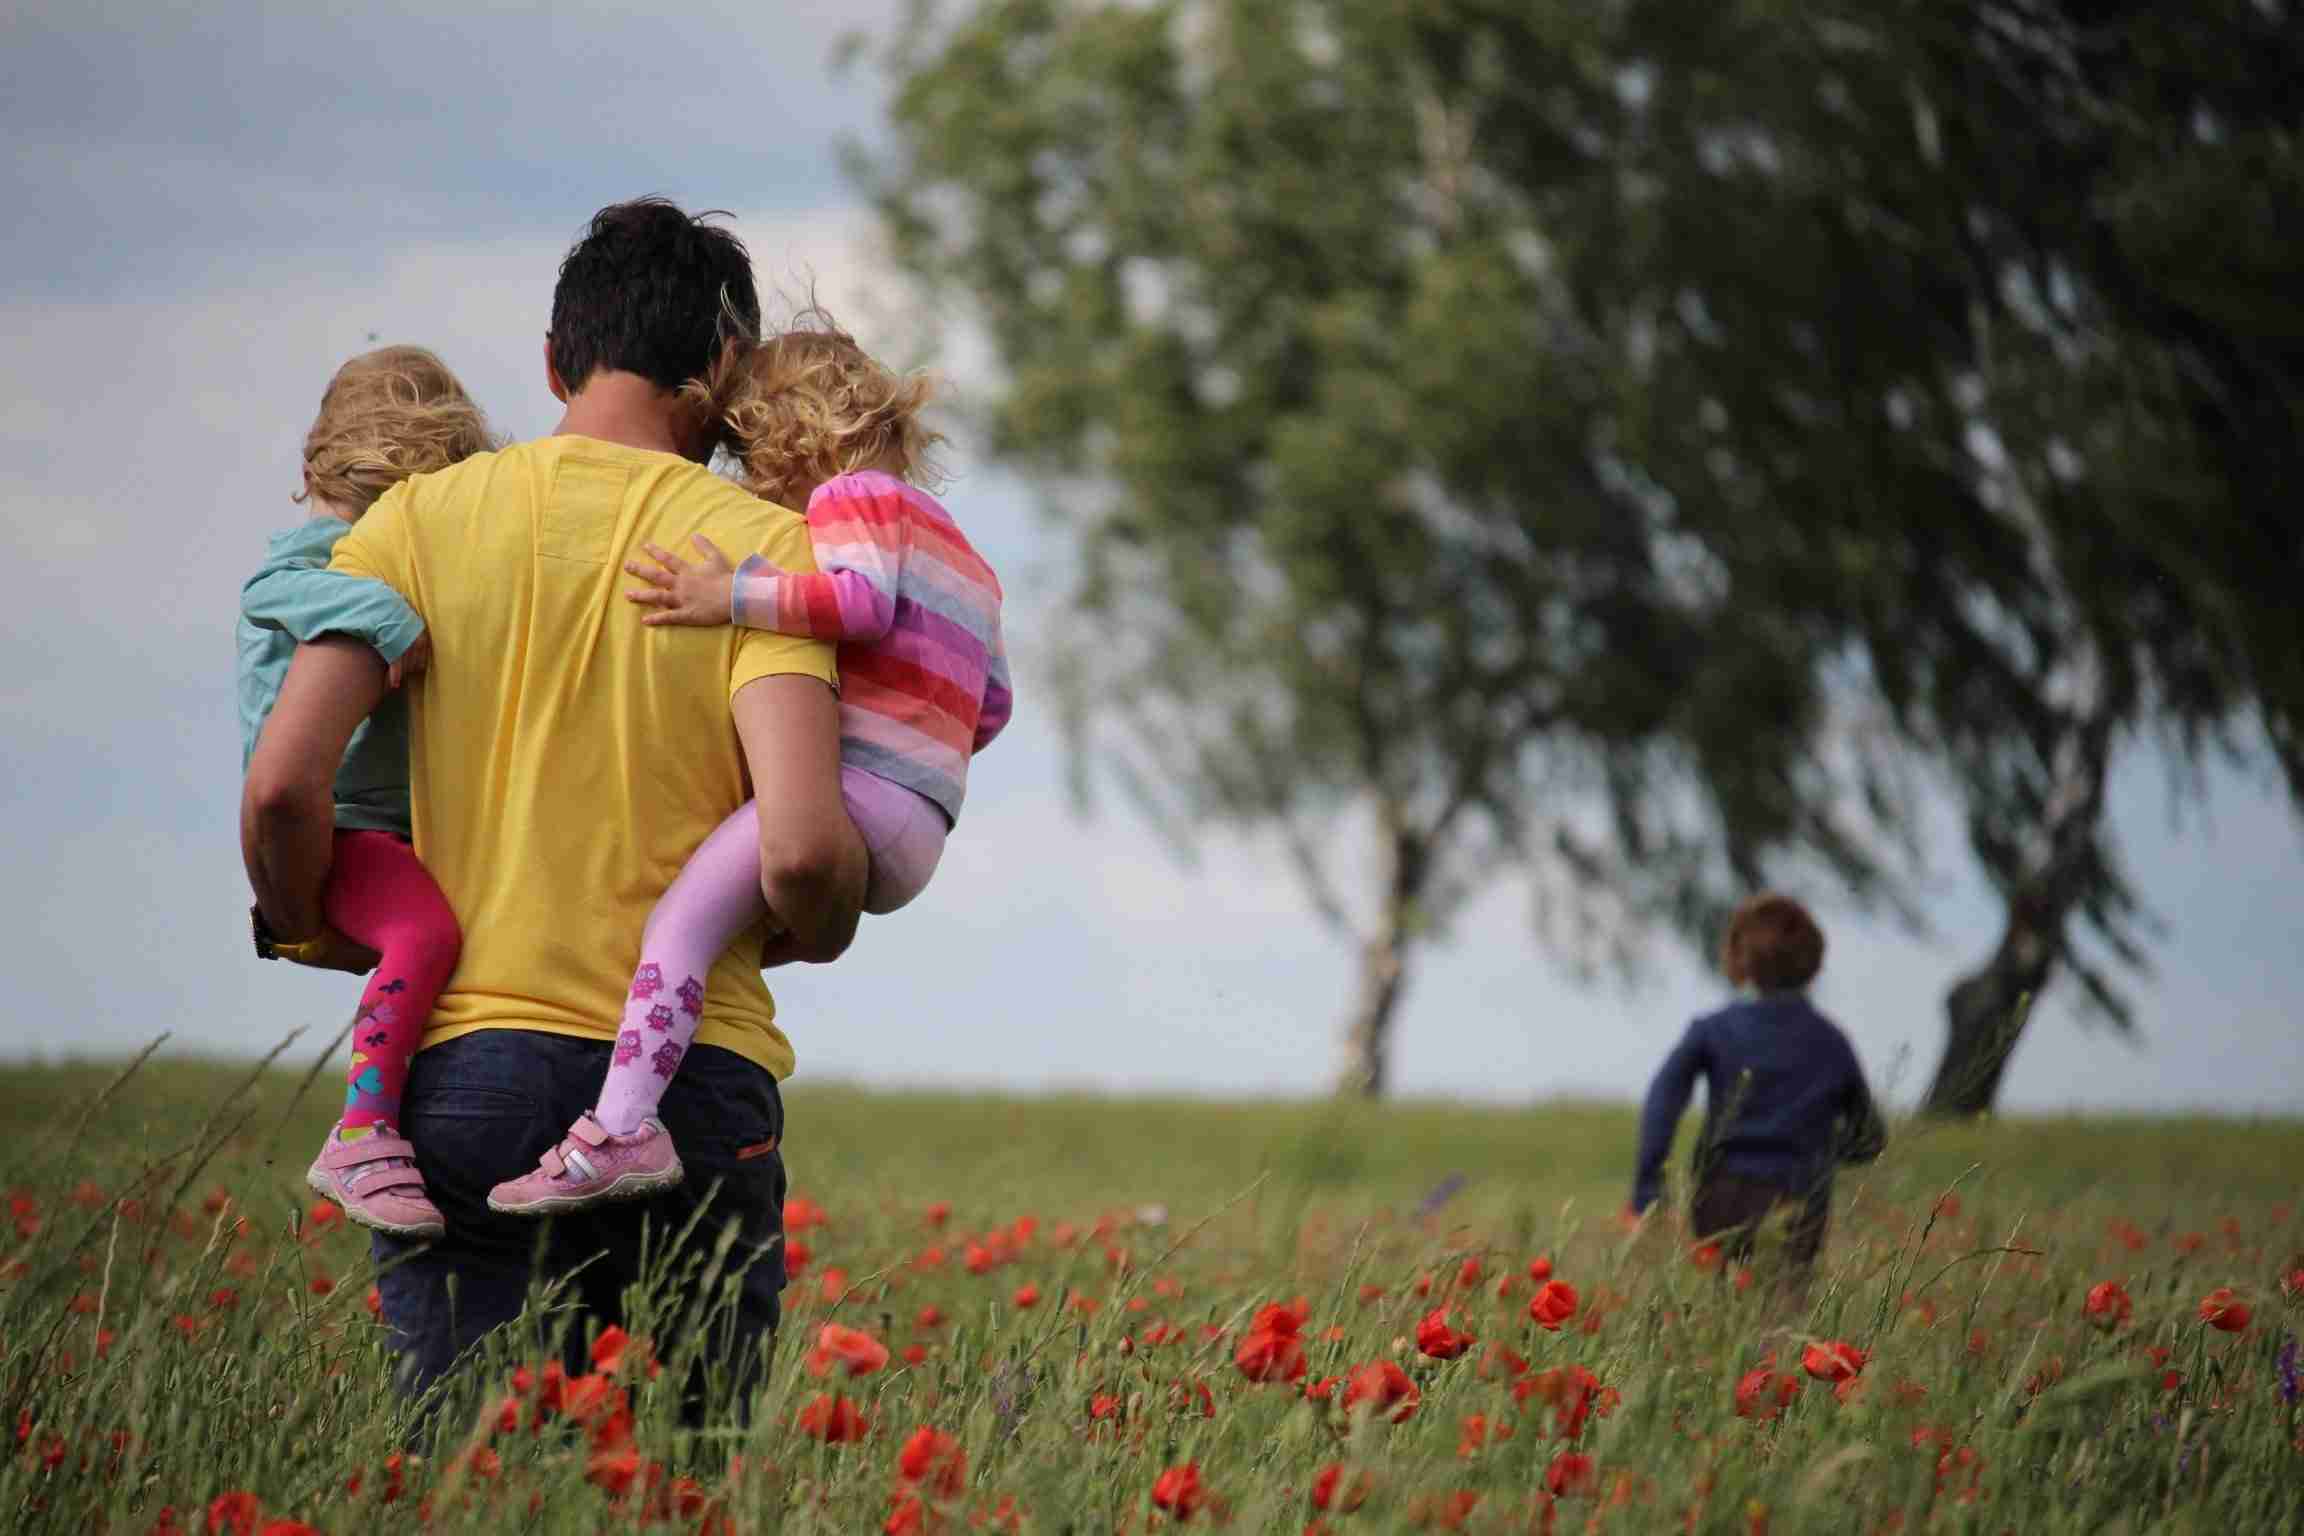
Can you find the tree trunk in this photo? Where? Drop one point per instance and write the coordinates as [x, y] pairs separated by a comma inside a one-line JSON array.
[[1986, 1010], [1367, 1064], [1368, 1033]]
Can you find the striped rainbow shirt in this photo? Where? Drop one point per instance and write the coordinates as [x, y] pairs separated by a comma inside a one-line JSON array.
[[915, 612]]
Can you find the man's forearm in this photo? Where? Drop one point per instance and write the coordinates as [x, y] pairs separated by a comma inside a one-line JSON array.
[[817, 896], [287, 840]]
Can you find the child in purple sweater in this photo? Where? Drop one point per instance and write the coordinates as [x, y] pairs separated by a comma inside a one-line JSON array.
[[1784, 1098]]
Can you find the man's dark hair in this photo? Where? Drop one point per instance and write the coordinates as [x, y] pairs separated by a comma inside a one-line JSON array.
[[651, 290]]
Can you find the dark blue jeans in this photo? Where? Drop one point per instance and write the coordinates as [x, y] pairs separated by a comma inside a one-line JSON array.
[[484, 1107]]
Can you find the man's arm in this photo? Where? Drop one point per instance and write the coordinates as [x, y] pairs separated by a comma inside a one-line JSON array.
[[812, 863], [288, 803]]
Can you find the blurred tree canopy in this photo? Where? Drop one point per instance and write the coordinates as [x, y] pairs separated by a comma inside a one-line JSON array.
[[1606, 441]]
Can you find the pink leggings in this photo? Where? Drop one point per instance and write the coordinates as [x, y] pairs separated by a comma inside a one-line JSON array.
[[715, 897], [380, 893]]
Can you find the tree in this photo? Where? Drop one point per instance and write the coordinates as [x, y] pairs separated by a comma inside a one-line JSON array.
[[1928, 284], [1357, 552]]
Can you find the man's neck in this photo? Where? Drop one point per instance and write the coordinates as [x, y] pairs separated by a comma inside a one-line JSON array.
[[628, 409]]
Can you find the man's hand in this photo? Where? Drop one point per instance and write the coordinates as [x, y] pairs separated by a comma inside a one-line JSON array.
[[414, 662], [681, 593]]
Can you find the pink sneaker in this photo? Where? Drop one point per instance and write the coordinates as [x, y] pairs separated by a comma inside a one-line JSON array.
[[375, 1179], [592, 1167]]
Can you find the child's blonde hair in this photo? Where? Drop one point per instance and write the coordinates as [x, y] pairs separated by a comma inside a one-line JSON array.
[[808, 403], [386, 415]]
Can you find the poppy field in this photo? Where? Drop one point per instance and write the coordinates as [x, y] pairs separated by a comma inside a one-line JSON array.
[[1102, 1316]]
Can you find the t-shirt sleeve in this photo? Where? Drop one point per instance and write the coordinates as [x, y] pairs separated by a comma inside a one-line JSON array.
[[377, 546], [764, 653]]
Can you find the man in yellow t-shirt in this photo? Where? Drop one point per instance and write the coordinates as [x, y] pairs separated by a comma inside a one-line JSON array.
[[565, 760]]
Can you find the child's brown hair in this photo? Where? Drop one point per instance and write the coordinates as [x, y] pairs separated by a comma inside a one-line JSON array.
[[808, 403], [1773, 944], [386, 415]]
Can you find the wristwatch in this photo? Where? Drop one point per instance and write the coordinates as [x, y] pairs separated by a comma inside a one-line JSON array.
[[302, 952]]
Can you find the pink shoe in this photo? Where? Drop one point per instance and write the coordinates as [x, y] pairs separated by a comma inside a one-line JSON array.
[[375, 1179], [592, 1167]]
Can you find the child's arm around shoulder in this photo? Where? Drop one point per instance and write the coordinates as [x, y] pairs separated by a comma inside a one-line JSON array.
[[295, 591], [857, 524]]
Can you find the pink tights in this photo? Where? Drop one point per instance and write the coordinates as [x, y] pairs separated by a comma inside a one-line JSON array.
[[379, 893], [715, 898]]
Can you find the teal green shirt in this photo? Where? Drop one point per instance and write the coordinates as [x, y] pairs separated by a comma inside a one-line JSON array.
[[294, 597]]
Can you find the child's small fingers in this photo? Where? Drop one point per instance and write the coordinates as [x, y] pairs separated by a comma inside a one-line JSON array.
[[710, 550], [663, 557]]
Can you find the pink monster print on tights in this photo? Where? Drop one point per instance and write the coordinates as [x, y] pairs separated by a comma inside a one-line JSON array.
[[666, 1060], [648, 980], [627, 1047], [659, 1018], [691, 995]]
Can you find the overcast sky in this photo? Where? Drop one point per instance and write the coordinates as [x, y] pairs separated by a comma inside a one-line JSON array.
[[211, 207]]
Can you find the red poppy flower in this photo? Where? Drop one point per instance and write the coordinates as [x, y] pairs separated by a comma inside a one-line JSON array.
[[1573, 1393], [908, 1515], [613, 1471], [1371, 1294], [1026, 1295], [1472, 1434], [832, 1419], [2223, 1311], [915, 1354], [852, 1349], [801, 1213], [1434, 1338], [1331, 1492], [2107, 1305], [1554, 1304], [1571, 1472], [1468, 1274], [1322, 1390], [1835, 1360], [939, 1213], [1497, 1361], [234, 1514], [1705, 1256], [930, 1317], [1178, 1491], [1273, 1348], [1540, 1269], [375, 1302], [1762, 1394], [323, 1215], [2292, 1284], [934, 1460], [1383, 1387]]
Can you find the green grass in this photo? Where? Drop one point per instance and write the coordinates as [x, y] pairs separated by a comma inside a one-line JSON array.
[[240, 1357]]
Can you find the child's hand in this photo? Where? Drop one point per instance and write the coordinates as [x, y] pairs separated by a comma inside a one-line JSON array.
[[680, 593], [414, 662]]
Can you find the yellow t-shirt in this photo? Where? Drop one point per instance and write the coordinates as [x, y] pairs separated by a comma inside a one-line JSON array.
[[565, 759]]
